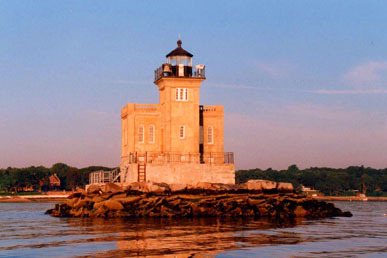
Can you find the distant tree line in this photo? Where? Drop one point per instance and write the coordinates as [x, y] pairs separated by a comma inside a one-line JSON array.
[[37, 178], [329, 181]]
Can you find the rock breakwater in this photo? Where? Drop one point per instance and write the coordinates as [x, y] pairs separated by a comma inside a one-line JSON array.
[[256, 198]]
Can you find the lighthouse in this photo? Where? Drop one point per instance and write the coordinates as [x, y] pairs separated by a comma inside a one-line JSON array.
[[177, 140]]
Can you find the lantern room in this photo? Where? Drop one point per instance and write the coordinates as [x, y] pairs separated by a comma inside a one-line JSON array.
[[179, 56], [179, 64]]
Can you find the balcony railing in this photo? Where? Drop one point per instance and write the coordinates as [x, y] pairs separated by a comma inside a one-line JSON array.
[[148, 108], [167, 70], [229, 158], [207, 108], [181, 157], [102, 176]]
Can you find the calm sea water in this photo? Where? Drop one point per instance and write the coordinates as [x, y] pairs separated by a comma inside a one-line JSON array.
[[26, 232]]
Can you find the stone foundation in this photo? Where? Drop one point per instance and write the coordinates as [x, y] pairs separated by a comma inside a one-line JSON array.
[[203, 200], [181, 173]]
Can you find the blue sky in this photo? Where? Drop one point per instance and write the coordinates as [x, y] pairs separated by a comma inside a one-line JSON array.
[[302, 81]]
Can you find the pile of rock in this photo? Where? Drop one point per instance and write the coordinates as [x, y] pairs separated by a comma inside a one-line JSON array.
[[256, 198]]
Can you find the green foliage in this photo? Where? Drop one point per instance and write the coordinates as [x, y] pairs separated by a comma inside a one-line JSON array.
[[15, 179], [327, 180]]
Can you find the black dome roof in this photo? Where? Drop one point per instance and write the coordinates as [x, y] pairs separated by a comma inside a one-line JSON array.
[[179, 51]]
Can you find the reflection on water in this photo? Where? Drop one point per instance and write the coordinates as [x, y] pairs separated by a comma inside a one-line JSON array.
[[205, 236], [26, 232]]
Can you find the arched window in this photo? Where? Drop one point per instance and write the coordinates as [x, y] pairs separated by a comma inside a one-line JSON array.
[[182, 132], [141, 134], [210, 135], [151, 134]]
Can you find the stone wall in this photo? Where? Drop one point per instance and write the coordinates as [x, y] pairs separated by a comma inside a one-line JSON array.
[[180, 173]]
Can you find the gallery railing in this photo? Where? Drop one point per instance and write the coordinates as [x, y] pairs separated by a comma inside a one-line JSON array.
[[173, 71], [181, 157]]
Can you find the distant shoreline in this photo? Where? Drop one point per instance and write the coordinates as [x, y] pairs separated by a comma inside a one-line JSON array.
[[33, 198], [349, 198], [59, 198]]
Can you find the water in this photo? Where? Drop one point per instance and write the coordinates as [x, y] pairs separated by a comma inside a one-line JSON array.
[[26, 232]]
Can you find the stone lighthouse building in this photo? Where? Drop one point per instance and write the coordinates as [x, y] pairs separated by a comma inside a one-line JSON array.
[[177, 140]]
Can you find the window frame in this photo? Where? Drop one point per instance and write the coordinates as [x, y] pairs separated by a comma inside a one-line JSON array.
[[210, 129], [181, 94], [141, 127], [180, 135], [153, 134]]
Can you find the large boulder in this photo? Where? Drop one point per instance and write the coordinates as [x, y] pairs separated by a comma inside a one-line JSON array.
[[300, 212], [204, 185], [268, 185], [97, 205], [93, 189], [112, 188], [137, 186], [75, 195], [129, 200], [220, 186], [259, 185], [177, 187], [153, 187], [113, 205], [98, 211], [117, 196], [70, 202], [285, 187], [98, 199], [253, 185], [80, 190], [80, 203]]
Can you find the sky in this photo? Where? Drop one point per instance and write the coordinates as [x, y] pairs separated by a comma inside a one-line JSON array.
[[302, 82]]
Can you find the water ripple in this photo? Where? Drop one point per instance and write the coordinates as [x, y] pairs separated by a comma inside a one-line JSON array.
[[26, 232]]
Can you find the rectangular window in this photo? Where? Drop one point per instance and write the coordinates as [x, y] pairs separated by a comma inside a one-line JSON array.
[[181, 94], [210, 135], [151, 135], [182, 132], [141, 134]]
